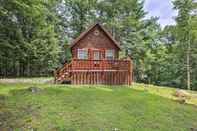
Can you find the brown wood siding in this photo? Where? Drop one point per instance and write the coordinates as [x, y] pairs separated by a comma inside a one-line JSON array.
[[90, 40]]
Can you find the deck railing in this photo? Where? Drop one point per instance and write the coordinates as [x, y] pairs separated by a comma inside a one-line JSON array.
[[96, 72], [77, 64]]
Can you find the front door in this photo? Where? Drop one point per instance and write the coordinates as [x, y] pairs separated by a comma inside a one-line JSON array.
[[96, 55]]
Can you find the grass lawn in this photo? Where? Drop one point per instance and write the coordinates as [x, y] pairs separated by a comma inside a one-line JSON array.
[[93, 108]]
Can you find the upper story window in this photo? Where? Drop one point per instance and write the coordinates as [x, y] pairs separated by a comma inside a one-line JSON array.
[[82, 54], [96, 55], [109, 54]]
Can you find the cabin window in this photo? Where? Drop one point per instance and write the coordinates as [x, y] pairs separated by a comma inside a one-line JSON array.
[[82, 54], [96, 55], [109, 54]]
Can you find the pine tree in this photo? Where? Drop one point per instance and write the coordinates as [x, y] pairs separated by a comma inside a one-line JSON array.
[[184, 34]]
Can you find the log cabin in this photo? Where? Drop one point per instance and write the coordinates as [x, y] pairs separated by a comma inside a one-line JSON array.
[[95, 60]]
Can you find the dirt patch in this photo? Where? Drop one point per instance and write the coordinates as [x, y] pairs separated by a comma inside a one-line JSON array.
[[31, 90], [34, 89], [181, 94], [42, 80]]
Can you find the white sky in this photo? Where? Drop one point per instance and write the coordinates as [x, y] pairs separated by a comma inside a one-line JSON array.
[[162, 9]]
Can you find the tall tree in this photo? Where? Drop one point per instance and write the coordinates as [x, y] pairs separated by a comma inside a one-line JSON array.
[[79, 14], [184, 33]]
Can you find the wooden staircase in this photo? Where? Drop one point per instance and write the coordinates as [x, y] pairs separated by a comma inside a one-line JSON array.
[[62, 73]]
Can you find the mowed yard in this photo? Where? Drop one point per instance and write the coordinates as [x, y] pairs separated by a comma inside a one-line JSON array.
[[93, 108]]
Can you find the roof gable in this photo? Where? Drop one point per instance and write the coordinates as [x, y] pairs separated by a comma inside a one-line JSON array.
[[82, 35]]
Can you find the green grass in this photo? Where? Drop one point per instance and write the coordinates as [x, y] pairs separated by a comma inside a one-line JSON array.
[[93, 108], [165, 92]]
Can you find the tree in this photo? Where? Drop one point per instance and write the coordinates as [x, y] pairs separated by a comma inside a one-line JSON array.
[[27, 38], [184, 33], [77, 15]]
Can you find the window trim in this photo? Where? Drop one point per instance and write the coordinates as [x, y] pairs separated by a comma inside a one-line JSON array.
[[82, 54], [110, 54], [96, 55]]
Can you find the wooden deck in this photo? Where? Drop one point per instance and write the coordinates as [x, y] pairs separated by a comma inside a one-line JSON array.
[[111, 72]]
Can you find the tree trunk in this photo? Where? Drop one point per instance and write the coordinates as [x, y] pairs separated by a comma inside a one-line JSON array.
[[142, 71], [28, 68], [17, 68], [188, 66]]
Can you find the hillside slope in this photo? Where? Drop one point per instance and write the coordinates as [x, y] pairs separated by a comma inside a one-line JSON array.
[[92, 108], [166, 92]]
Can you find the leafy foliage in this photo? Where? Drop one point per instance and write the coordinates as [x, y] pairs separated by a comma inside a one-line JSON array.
[[28, 42], [35, 37]]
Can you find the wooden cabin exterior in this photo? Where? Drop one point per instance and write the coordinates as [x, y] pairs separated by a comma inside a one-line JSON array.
[[95, 60]]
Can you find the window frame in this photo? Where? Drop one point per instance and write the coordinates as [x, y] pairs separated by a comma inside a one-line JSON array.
[[96, 55], [82, 54], [110, 54]]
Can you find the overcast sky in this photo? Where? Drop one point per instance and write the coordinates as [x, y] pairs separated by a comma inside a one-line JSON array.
[[162, 9]]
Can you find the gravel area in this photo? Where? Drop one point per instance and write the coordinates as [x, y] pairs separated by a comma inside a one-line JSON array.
[[40, 80]]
